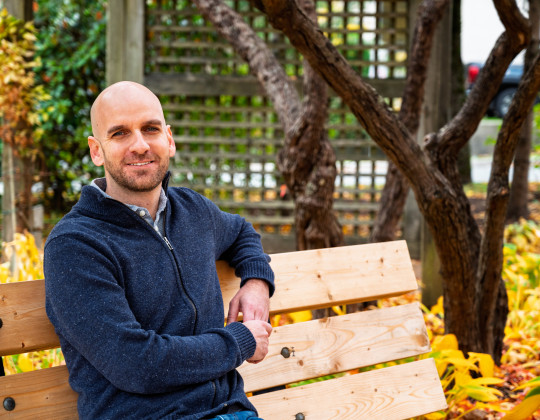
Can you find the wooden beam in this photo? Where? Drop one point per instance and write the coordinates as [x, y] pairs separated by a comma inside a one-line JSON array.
[[25, 326], [205, 85], [42, 394]]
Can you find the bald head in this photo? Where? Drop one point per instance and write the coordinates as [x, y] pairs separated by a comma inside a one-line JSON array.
[[118, 99]]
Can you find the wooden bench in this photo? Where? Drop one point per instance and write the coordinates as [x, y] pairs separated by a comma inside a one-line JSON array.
[[304, 280]]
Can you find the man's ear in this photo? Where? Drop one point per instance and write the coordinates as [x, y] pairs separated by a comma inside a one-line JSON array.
[[95, 151], [172, 144]]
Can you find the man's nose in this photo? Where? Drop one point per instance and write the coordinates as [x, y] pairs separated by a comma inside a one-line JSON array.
[[139, 144]]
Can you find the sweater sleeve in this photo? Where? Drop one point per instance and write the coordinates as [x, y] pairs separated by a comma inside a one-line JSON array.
[[90, 312], [240, 245]]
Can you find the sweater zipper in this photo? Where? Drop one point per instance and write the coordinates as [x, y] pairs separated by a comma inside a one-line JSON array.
[[181, 281], [168, 243], [190, 300]]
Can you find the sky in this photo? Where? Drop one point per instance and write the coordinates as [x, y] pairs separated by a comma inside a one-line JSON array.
[[480, 28]]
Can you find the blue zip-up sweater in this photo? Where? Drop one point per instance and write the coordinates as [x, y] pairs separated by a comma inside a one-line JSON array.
[[140, 317]]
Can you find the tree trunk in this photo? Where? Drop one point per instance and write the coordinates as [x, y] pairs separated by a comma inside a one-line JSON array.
[[391, 205], [308, 163], [471, 264], [518, 205], [307, 160]]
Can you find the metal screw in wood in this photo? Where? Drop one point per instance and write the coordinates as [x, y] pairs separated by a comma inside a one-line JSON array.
[[9, 404]]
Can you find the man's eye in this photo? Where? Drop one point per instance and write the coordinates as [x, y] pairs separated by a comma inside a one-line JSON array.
[[151, 129], [118, 133]]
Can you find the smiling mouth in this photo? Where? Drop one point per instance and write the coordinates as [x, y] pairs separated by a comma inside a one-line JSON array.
[[140, 163]]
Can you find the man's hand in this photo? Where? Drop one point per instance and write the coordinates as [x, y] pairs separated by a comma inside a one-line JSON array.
[[253, 300], [261, 330]]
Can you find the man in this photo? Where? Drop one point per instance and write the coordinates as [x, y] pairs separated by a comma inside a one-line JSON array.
[[131, 285]]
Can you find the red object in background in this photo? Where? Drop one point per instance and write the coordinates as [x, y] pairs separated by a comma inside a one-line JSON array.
[[472, 74]]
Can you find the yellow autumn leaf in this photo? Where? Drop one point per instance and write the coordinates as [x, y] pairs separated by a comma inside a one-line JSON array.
[[462, 378], [487, 381], [436, 415], [532, 383], [482, 393], [445, 342], [524, 409], [485, 362], [24, 363], [461, 363], [438, 309], [339, 310], [300, 316]]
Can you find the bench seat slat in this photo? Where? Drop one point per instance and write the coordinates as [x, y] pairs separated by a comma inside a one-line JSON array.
[[332, 345], [397, 392], [41, 394]]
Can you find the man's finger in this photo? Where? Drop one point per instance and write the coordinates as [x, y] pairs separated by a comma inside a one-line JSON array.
[[232, 315]]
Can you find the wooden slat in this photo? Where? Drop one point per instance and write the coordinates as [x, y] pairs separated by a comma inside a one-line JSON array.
[[335, 276], [203, 85], [42, 394], [397, 392], [25, 324], [332, 345]]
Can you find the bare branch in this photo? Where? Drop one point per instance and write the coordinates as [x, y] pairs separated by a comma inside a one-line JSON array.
[[315, 105], [512, 19]]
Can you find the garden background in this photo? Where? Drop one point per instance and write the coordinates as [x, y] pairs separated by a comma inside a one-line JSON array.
[[64, 68]]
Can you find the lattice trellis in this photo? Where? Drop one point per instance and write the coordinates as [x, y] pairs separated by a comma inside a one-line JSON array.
[[227, 132]]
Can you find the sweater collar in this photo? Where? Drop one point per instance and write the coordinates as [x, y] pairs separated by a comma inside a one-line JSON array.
[[94, 201]]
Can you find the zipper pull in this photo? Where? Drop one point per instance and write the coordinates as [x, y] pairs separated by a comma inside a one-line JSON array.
[[168, 243]]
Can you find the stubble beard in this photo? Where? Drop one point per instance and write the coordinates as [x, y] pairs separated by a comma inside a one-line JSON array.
[[145, 182]]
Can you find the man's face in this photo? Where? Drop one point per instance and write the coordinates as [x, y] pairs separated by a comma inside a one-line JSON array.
[[131, 141]]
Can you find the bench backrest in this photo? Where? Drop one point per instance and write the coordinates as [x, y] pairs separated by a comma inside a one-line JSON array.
[[304, 280]]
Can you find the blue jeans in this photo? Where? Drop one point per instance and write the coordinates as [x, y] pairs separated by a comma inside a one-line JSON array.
[[241, 415]]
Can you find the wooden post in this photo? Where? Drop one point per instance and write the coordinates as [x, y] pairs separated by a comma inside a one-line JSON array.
[[125, 41], [9, 223], [21, 9], [437, 111]]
